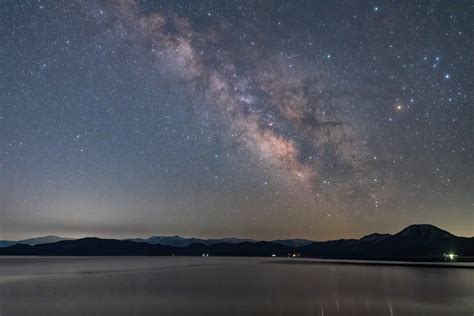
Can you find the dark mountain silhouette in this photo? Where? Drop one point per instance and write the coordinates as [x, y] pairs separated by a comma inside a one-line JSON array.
[[416, 242], [92, 246], [33, 241], [177, 241], [7, 243], [424, 240], [173, 241], [89, 246], [375, 237], [293, 242]]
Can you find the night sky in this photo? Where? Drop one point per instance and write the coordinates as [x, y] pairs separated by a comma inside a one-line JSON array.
[[261, 119]]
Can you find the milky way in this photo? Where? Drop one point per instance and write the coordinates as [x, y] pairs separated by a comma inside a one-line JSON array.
[[278, 115], [257, 119]]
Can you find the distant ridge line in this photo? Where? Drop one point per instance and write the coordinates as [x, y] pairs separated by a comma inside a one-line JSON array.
[[413, 243]]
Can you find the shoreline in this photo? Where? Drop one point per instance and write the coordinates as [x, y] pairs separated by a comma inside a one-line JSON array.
[[412, 264]]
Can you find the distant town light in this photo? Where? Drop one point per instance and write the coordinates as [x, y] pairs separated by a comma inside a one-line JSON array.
[[450, 256]]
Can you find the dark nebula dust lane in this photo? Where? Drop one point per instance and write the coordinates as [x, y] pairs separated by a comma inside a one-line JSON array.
[[262, 119]]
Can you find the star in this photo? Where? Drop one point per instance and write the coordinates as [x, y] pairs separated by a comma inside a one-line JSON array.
[[175, 112]]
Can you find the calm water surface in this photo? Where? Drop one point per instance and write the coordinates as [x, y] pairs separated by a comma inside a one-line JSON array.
[[227, 286]]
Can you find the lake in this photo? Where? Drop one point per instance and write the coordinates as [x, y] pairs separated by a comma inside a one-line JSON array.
[[227, 286]]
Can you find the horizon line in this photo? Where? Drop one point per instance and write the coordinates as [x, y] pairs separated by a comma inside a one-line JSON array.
[[232, 237]]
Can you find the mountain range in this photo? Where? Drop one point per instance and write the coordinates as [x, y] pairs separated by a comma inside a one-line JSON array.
[[173, 241], [33, 241], [415, 243]]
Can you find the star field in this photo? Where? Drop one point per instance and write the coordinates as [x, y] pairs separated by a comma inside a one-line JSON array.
[[263, 119]]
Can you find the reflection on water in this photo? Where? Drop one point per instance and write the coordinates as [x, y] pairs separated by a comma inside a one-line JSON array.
[[227, 286]]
